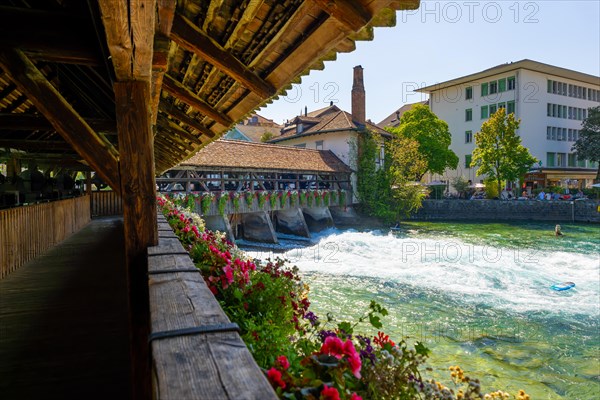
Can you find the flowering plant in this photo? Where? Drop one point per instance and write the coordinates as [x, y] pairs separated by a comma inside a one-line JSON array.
[[249, 199], [236, 200], [342, 197], [206, 201], [262, 198], [334, 197], [223, 199], [282, 198], [326, 197], [273, 199], [293, 198], [302, 197], [309, 199]]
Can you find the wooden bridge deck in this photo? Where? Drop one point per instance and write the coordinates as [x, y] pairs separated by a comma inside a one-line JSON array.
[[63, 320]]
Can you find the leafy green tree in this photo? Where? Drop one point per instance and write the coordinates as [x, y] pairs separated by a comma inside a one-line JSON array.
[[406, 164], [266, 136], [499, 152], [587, 147], [461, 184], [433, 137]]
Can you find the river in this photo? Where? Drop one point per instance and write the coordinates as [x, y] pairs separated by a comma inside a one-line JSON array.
[[477, 294]]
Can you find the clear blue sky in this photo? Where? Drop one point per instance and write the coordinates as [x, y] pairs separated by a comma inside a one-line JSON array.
[[445, 40]]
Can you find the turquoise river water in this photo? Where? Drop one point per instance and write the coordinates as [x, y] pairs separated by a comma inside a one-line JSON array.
[[477, 294]]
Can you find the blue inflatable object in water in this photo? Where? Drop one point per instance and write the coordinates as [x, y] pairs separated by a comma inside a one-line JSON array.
[[562, 286]]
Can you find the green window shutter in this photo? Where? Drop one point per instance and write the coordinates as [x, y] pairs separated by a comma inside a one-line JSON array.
[[549, 86], [469, 114], [502, 85], [511, 83], [484, 112], [484, 89], [468, 158], [493, 109], [550, 159]]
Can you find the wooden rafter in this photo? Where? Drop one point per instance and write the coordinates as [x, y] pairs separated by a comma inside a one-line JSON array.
[[65, 120], [185, 119], [168, 125], [35, 144], [351, 13], [31, 122], [188, 36], [180, 92]]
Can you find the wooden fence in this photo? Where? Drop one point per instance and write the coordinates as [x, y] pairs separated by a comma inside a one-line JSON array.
[[27, 232], [196, 352], [106, 203]]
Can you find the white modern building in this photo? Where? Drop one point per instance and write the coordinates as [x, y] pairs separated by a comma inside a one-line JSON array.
[[551, 102]]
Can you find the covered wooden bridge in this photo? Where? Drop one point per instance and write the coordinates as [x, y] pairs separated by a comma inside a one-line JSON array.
[[128, 89]]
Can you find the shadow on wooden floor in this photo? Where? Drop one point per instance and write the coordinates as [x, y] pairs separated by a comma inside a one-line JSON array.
[[63, 320]]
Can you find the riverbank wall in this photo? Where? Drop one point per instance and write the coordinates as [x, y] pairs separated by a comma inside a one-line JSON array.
[[534, 210]]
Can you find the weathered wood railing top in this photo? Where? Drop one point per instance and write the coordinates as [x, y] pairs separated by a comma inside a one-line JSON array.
[[200, 365]]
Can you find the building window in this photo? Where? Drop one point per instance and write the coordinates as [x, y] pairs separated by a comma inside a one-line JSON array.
[[469, 114], [549, 90], [484, 89], [469, 93], [468, 136], [581, 163], [510, 107], [511, 83], [502, 105], [575, 135], [561, 159], [548, 133], [301, 145], [468, 158], [493, 109], [550, 159], [570, 135], [502, 85], [319, 145], [559, 112], [493, 87], [572, 162], [579, 116], [553, 133], [484, 112], [564, 134], [549, 110]]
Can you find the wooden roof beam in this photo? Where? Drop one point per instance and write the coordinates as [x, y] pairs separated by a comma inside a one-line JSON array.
[[33, 122], [191, 38], [180, 92], [160, 56], [351, 13], [65, 120], [35, 144], [176, 129], [185, 119]]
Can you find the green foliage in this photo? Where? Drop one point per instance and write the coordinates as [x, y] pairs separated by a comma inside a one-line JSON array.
[[273, 200], [266, 136], [282, 198], [342, 198], [236, 201], [293, 199], [223, 202], [249, 199], [433, 138], [206, 202], [499, 153], [302, 197], [491, 189], [309, 199], [191, 202], [587, 146], [461, 185], [326, 198], [262, 199]]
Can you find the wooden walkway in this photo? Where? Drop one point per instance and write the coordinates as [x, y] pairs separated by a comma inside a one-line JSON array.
[[63, 320]]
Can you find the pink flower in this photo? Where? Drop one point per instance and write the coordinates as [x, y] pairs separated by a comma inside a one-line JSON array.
[[275, 378], [283, 361], [355, 397], [355, 365], [329, 393], [333, 346], [228, 273]]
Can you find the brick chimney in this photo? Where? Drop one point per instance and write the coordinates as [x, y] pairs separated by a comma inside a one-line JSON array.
[[358, 96]]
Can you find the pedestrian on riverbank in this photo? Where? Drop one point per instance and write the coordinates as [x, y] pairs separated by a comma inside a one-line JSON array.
[[557, 231]]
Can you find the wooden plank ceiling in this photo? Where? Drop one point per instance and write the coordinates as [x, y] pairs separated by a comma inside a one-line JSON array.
[[211, 63]]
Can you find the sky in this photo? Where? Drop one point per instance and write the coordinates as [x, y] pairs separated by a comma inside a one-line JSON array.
[[444, 40]]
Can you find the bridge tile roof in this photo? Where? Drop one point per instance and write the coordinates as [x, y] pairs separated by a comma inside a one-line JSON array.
[[246, 155]]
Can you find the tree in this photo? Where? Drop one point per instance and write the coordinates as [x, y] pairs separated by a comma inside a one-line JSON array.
[[499, 152], [461, 184], [587, 147], [432, 135], [266, 136], [406, 163]]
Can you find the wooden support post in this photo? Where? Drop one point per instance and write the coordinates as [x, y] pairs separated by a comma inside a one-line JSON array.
[[88, 183], [138, 191]]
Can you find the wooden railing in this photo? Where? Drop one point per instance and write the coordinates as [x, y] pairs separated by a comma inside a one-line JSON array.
[[106, 203], [192, 357], [27, 232]]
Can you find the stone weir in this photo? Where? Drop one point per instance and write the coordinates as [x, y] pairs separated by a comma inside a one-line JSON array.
[[535, 210]]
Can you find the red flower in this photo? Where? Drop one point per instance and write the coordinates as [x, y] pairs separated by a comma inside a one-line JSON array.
[[355, 364], [329, 393], [333, 346], [275, 378], [283, 361], [355, 397], [381, 339]]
